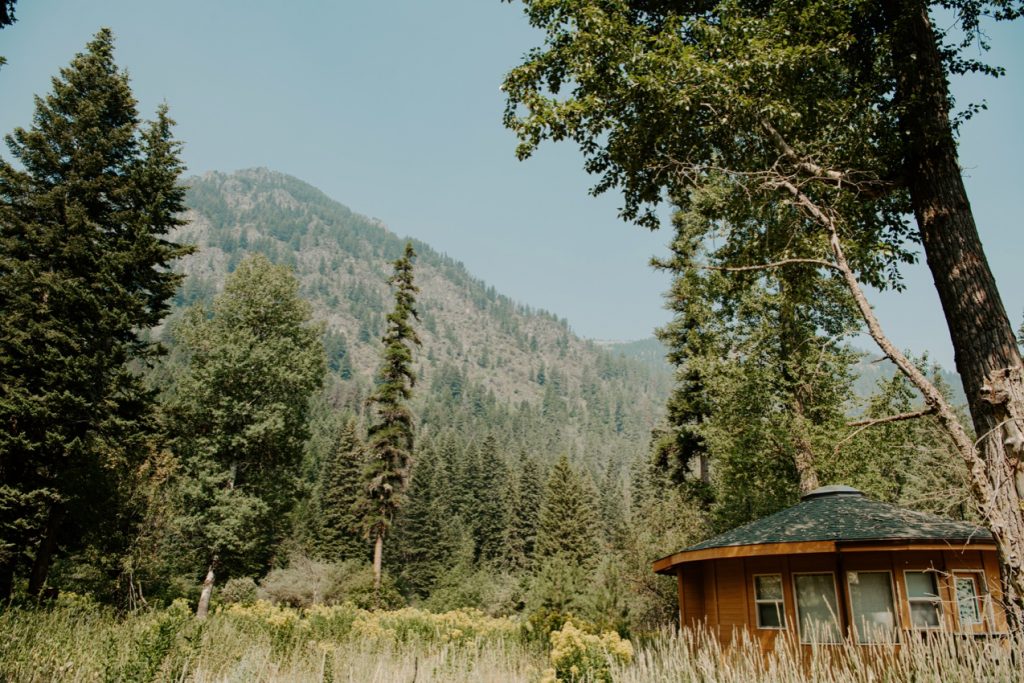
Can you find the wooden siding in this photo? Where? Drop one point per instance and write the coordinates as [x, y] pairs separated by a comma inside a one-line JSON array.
[[691, 595], [720, 593]]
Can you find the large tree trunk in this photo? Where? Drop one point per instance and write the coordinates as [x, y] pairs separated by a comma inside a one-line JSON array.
[[44, 554], [792, 343], [803, 450], [204, 598], [378, 557], [6, 582], [987, 356]]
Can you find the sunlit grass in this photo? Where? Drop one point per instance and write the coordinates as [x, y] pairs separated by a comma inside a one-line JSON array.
[[77, 640]]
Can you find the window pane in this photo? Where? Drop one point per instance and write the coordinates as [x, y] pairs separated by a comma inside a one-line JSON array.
[[921, 585], [873, 606], [769, 615], [817, 608], [769, 587], [967, 600], [924, 614]]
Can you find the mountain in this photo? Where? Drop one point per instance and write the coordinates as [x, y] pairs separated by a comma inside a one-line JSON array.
[[873, 368], [483, 355]]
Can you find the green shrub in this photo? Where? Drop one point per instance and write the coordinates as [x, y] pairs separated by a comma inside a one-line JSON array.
[[580, 656], [306, 582], [241, 590]]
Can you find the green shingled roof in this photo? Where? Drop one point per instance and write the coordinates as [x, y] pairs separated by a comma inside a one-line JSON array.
[[841, 513]]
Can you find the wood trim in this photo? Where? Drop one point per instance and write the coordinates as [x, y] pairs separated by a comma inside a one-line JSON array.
[[665, 564], [874, 546], [732, 551], [681, 599]]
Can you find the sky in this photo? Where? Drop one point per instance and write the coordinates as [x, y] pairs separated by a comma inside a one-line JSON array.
[[394, 109]]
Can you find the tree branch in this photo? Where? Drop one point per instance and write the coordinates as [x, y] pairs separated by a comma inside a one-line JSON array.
[[765, 266], [892, 418], [934, 399], [871, 188]]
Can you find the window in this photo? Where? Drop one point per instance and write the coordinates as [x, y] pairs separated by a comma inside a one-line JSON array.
[[771, 611], [923, 596], [816, 607], [872, 608], [970, 599]]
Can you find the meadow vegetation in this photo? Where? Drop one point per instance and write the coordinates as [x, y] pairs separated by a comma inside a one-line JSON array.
[[76, 639]]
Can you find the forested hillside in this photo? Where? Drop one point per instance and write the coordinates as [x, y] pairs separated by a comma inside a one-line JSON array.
[[486, 361], [531, 443]]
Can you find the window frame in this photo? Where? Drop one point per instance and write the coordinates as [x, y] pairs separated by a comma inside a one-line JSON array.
[[982, 597], [893, 594], [936, 602], [780, 603], [837, 617]]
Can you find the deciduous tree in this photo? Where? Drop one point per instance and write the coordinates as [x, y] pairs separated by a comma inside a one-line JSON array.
[[240, 417], [830, 122]]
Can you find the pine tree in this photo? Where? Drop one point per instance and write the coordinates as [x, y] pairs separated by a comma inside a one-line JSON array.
[[531, 496], [612, 499], [85, 268], [425, 541], [513, 553], [390, 438], [567, 526], [489, 516], [337, 494], [6, 15]]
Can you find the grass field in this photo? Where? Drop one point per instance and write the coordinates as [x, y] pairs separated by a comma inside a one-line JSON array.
[[77, 640]]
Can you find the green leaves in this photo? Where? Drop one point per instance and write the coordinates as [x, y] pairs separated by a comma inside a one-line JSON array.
[[239, 411]]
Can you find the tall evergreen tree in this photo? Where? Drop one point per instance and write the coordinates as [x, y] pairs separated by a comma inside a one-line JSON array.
[[338, 492], [612, 507], [425, 539], [390, 438], [567, 525], [531, 497], [513, 552], [489, 514], [6, 14], [85, 268], [240, 418]]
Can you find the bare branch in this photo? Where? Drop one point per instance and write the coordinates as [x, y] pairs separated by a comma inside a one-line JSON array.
[[914, 414], [870, 187], [776, 264], [948, 418]]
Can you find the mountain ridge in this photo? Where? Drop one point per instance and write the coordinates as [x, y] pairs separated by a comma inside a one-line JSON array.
[[526, 359]]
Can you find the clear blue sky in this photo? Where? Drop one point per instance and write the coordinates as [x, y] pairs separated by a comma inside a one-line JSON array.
[[393, 108]]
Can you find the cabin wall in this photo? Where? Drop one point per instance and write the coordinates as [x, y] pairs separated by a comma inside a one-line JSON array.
[[691, 595], [721, 592]]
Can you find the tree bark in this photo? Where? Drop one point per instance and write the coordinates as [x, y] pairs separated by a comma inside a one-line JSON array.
[[203, 608], [803, 451], [987, 356], [791, 344], [6, 582], [44, 554], [378, 557]]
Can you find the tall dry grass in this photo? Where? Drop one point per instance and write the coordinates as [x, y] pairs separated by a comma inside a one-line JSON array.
[[80, 641], [695, 655]]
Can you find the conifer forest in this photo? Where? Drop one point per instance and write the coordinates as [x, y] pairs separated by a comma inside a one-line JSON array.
[[247, 433]]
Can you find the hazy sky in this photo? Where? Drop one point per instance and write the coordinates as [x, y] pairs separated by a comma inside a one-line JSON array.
[[393, 109]]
